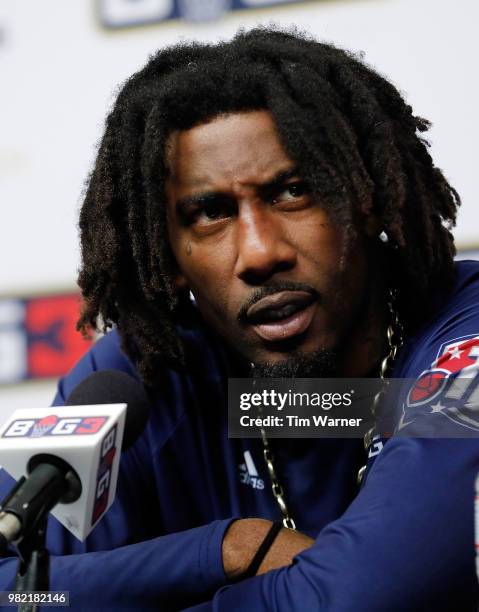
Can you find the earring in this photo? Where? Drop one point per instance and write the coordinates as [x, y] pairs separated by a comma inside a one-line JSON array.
[[383, 237]]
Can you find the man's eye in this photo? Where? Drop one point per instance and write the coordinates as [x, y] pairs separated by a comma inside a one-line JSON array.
[[291, 192], [211, 211]]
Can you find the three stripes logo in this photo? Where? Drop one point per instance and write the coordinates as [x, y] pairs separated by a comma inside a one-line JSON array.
[[248, 473]]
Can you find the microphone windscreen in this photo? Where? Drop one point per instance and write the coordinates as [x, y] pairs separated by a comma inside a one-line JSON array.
[[114, 387]]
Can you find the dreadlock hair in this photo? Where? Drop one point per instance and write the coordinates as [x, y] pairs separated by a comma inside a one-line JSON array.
[[352, 135]]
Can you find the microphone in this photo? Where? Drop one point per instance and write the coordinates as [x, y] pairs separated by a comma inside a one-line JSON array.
[[70, 454]]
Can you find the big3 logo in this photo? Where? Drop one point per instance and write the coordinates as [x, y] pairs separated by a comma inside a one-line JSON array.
[[450, 387], [104, 474]]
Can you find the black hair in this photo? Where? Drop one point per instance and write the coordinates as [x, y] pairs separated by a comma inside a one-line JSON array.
[[354, 138]]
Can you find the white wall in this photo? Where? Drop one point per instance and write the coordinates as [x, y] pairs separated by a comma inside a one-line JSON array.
[[27, 395], [59, 70]]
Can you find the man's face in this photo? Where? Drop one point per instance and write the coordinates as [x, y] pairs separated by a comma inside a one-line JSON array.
[[260, 253]]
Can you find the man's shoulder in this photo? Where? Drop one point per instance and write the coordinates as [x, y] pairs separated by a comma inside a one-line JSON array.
[[464, 293], [467, 280], [454, 320]]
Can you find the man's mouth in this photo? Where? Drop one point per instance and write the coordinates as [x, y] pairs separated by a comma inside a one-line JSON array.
[[282, 315]]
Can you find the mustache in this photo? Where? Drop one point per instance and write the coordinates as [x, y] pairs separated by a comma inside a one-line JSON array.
[[271, 288]]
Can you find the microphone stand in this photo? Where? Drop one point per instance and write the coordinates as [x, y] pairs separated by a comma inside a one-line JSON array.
[[33, 573], [51, 480]]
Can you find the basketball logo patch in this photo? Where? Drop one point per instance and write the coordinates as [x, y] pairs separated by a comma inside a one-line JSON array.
[[450, 387]]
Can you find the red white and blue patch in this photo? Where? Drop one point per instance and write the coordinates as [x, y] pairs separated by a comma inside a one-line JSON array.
[[450, 387]]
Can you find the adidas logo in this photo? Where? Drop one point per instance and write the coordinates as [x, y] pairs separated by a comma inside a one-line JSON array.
[[248, 473]]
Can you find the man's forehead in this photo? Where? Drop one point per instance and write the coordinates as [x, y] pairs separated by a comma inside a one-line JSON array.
[[244, 145]]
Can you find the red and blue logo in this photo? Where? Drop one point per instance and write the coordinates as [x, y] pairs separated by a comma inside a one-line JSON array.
[[38, 337], [104, 474], [53, 425], [451, 386]]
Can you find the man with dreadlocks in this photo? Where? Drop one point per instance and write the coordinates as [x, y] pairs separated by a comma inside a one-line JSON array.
[[283, 185]]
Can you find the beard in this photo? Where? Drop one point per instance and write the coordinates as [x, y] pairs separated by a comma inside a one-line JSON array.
[[322, 363]]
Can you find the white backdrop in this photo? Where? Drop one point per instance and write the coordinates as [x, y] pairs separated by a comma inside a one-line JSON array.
[[59, 70]]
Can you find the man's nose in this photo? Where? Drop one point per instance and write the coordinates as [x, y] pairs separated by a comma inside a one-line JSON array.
[[263, 245]]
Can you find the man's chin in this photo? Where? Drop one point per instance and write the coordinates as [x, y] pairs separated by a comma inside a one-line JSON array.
[[322, 363]]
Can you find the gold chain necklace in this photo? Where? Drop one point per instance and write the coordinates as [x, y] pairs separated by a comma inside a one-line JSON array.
[[394, 334]]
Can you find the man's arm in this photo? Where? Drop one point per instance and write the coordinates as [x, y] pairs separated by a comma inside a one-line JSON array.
[[167, 572], [243, 539], [406, 543]]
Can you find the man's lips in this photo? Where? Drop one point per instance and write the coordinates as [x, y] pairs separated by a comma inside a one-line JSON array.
[[282, 315], [282, 303]]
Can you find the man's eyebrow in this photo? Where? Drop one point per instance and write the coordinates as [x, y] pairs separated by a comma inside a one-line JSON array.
[[279, 179], [207, 197], [198, 199]]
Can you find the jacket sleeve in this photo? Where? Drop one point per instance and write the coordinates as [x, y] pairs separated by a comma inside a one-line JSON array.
[[167, 572], [127, 561], [406, 543]]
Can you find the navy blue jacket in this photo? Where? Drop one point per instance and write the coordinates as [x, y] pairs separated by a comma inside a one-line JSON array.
[[404, 542]]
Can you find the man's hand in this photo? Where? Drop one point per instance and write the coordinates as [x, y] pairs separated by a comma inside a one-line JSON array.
[[243, 539]]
